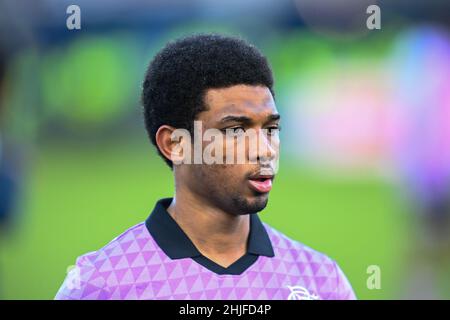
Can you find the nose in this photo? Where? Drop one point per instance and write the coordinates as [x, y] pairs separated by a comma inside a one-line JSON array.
[[268, 148]]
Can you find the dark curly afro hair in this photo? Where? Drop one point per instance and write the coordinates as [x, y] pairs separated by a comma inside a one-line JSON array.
[[180, 74]]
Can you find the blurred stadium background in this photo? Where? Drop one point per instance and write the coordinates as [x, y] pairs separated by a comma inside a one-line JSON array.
[[365, 168]]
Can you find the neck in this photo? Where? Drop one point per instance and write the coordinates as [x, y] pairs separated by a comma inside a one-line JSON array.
[[218, 235]]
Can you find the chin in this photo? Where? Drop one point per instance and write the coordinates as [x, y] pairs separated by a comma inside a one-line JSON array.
[[250, 205]]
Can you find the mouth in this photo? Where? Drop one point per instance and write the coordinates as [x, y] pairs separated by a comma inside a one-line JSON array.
[[261, 183]]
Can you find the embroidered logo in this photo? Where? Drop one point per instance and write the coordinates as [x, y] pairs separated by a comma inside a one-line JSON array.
[[300, 293]]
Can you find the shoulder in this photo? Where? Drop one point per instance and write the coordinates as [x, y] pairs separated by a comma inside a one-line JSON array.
[[312, 264], [131, 241], [295, 250], [95, 274]]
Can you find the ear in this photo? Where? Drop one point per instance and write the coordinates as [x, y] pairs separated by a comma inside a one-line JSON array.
[[164, 141]]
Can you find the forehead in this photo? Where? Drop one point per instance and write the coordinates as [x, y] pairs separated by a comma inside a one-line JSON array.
[[252, 101]]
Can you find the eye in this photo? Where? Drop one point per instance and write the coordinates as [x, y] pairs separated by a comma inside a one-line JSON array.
[[234, 130], [273, 130], [238, 130]]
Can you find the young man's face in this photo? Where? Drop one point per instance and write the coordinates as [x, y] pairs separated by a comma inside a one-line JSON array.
[[238, 188]]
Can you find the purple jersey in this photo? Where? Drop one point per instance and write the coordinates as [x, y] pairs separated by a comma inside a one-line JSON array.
[[156, 260]]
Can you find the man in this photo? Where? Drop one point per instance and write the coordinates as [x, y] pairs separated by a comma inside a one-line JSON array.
[[207, 242]]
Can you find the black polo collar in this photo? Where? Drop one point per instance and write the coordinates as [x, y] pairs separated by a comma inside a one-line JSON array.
[[176, 244]]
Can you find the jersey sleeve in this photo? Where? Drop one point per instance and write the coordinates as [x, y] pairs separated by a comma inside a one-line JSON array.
[[344, 290], [83, 282]]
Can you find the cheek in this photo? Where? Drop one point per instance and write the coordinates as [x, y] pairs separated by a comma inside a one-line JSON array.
[[226, 176]]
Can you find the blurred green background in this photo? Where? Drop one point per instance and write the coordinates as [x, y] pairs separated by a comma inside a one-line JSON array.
[[74, 142]]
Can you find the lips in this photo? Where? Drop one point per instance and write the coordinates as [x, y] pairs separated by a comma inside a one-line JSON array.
[[261, 183]]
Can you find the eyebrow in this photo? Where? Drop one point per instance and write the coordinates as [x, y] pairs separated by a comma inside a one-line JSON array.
[[273, 117], [244, 119]]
